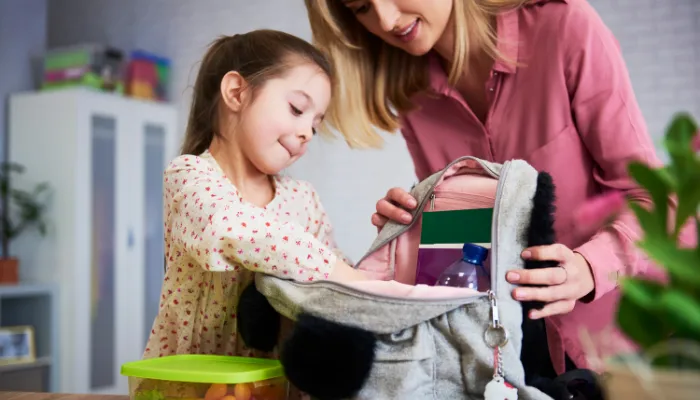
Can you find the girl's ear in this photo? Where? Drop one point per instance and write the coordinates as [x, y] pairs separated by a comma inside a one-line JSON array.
[[233, 90]]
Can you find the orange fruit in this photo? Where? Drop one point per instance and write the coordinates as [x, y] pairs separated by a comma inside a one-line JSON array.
[[276, 392], [216, 392], [260, 392], [243, 391]]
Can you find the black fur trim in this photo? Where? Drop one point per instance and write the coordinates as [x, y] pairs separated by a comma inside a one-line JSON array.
[[258, 322], [554, 389], [541, 229], [327, 360], [575, 384], [535, 351]]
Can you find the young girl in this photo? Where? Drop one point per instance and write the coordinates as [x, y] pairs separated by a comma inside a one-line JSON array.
[[228, 213]]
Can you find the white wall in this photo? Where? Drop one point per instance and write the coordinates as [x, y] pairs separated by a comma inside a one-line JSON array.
[[22, 35], [660, 41]]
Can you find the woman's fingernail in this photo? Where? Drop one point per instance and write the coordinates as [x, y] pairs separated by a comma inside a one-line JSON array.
[[526, 254], [513, 276], [406, 218], [534, 315], [412, 203], [519, 294]]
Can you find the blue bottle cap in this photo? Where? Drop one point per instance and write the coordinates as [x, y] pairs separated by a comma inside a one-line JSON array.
[[474, 254]]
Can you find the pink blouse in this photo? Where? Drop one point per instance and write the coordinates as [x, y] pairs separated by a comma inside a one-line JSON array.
[[567, 108]]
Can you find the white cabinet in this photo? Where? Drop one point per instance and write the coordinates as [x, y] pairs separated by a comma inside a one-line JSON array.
[[103, 156]]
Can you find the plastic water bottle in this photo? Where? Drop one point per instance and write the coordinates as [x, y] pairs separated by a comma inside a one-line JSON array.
[[469, 271]]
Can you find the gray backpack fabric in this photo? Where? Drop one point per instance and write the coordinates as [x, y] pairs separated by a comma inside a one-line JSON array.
[[416, 348]]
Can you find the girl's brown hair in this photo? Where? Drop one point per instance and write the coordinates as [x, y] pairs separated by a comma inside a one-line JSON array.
[[375, 81], [258, 56]]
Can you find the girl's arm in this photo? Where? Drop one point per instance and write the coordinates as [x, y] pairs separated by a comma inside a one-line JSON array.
[[209, 220], [321, 226], [612, 127]]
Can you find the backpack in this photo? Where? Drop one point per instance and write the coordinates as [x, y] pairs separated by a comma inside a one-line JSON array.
[[389, 338]]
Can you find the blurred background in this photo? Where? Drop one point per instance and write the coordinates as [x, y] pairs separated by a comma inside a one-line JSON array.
[[85, 162]]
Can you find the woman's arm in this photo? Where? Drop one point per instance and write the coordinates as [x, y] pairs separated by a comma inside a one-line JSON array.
[[613, 130]]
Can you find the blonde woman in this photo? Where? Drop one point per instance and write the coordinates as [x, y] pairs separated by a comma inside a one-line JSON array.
[[542, 81]]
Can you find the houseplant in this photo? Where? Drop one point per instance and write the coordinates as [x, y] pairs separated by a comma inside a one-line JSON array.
[[21, 210], [661, 317]]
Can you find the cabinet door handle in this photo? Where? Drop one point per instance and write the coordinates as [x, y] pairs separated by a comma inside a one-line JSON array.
[[130, 239]]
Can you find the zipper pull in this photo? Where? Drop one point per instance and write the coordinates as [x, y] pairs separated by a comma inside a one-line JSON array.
[[495, 318], [496, 336], [432, 201]]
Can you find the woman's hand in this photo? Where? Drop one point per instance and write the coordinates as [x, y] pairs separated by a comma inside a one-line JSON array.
[[393, 207], [561, 287]]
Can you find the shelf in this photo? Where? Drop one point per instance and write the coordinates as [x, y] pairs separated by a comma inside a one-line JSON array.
[[26, 290], [39, 362], [35, 305]]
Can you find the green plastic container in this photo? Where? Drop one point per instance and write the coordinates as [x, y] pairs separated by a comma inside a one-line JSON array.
[[206, 377]]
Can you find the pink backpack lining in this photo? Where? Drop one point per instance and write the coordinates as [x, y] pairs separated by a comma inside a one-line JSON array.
[[465, 185]]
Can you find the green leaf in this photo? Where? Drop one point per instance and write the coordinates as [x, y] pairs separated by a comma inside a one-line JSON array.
[[41, 188], [7, 167], [681, 263], [680, 132], [678, 138], [25, 208], [683, 311], [656, 183], [644, 293], [634, 316], [688, 196], [42, 228], [666, 175], [650, 224]]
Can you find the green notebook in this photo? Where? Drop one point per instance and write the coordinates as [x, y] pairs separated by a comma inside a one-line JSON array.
[[457, 227]]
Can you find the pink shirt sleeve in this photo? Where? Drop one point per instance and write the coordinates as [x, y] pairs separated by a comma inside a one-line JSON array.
[[612, 127], [223, 233]]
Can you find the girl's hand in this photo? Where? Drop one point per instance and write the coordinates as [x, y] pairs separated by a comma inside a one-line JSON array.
[[561, 287], [393, 207]]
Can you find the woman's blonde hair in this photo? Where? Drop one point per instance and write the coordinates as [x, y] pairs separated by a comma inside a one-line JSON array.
[[375, 81]]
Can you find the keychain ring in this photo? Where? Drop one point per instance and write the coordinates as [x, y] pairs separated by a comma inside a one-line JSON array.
[[496, 336]]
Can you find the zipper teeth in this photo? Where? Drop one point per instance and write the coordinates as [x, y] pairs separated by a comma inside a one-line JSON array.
[[494, 229], [457, 194], [354, 290], [476, 200]]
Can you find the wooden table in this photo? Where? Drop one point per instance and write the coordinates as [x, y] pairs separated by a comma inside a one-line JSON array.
[[57, 396]]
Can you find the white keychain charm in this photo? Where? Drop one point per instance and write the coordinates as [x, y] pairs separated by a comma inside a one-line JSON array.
[[496, 337], [499, 389]]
